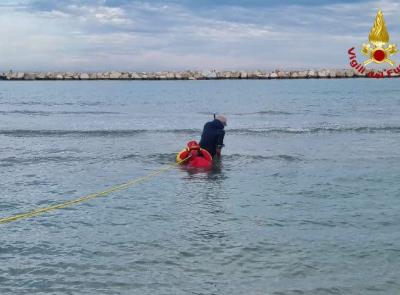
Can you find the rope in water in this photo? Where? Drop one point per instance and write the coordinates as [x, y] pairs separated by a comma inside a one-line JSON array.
[[89, 197]]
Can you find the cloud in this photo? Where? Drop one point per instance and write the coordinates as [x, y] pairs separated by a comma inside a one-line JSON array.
[[183, 34], [92, 14]]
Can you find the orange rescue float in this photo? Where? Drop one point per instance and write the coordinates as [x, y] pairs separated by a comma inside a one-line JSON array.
[[195, 156]]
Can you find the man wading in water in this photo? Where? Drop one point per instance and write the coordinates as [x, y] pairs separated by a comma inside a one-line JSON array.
[[212, 138]]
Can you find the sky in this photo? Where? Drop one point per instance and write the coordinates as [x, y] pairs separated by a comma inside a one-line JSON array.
[[156, 35]]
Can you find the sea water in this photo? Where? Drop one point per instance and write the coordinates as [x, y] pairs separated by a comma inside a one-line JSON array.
[[305, 200]]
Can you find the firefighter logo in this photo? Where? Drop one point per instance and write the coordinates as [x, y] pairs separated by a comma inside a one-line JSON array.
[[378, 50]]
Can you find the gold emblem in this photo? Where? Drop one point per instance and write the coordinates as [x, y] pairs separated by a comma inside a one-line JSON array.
[[378, 49]]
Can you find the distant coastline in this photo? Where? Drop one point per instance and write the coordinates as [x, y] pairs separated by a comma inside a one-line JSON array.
[[187, 75]]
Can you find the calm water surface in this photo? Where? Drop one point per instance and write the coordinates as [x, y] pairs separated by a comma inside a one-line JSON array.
[[306, 200]]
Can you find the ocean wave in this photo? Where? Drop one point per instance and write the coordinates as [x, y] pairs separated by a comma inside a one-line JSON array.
[[239, 131], [48, 113], [161, 158], [312, 130], [170, 157], [206, 113], [89, 133], [267, 112], [43, 103], [281, 157], [12, 161]]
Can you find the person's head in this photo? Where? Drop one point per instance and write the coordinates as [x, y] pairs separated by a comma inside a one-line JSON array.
[[193, 145], [222, 119]]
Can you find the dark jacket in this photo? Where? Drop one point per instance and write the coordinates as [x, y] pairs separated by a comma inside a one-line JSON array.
[[212, 137]]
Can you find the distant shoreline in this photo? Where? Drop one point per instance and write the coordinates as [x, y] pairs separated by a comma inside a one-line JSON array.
[[186, 75]]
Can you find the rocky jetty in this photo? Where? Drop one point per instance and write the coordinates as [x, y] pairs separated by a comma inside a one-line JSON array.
[[189, 75]]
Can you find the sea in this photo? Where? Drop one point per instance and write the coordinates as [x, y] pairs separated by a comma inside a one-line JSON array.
[[305, 200]]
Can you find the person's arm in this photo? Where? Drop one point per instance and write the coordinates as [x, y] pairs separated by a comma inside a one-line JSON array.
[[220, 144]]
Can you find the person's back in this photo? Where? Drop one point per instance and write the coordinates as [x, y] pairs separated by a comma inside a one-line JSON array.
[[212, 138]]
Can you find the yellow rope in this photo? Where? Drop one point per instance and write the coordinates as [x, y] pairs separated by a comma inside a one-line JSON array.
[[88, 197]]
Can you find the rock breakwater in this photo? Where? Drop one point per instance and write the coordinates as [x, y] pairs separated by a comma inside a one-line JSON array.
[[185, 75]]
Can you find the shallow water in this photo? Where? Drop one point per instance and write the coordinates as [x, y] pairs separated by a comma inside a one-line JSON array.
[[305, 201]]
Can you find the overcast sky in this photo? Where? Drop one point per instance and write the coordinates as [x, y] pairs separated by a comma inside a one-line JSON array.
[[182, 34]]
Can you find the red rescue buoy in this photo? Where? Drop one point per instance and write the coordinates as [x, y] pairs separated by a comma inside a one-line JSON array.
[[195, 155]]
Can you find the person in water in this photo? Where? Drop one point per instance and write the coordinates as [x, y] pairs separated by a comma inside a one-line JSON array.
[[212, 138]]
